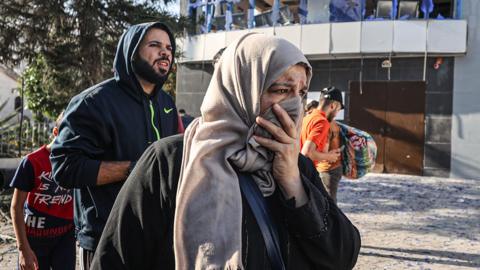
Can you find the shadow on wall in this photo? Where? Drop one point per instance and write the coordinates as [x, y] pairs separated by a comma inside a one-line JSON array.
[[460, 126], [465, 159], [468, 108], [465, 167]]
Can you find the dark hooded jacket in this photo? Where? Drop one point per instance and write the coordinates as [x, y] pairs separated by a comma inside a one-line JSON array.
[[111, 121]]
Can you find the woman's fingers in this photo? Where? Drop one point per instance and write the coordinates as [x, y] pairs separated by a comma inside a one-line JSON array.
[[270, 144], [277, 132], [288, 130]]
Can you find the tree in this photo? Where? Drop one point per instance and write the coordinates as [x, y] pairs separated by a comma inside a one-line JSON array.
[[69, 45]]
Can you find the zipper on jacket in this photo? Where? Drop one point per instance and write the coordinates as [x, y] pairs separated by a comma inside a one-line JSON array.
[[94, 204], [152, 119]]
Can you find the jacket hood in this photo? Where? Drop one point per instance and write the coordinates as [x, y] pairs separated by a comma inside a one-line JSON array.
[[126, 49]]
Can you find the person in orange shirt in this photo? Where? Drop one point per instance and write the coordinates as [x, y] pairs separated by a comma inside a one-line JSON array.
[[320, 140]]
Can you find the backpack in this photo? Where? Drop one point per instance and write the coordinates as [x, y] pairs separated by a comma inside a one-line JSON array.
[[359, 153]]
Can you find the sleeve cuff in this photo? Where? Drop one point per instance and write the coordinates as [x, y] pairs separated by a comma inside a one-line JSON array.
[[310, 219], [90, 173], [24, 176]]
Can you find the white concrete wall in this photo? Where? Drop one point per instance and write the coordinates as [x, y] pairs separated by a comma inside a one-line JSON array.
[[6, 86], [465, 159], [351, 40]]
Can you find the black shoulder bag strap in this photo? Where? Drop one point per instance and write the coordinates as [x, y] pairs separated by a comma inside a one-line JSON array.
[[257, 203]]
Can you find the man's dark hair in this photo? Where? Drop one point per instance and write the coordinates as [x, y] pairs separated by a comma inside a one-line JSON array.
[[330, 95], [181, 111], [324, 103], [312, 105]]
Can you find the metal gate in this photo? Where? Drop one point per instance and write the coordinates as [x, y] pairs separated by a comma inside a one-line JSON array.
[[393, 112]]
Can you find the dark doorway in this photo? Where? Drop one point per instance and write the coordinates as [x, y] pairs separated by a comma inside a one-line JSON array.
[[393, 112]]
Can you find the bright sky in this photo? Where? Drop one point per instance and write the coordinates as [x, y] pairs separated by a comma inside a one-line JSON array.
[[174, 8]]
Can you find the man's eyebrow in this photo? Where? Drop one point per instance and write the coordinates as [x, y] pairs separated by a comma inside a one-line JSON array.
[[158, 42]]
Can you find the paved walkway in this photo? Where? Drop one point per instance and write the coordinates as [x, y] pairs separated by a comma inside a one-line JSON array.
[[410, 222], [406, 222]]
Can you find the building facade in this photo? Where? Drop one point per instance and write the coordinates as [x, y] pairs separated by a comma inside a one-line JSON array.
[[8, 91], [407, 70]]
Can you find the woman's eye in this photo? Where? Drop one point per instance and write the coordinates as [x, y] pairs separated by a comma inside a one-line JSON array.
[[281, 91]]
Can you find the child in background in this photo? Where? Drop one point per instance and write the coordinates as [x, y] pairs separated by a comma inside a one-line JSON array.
[[42, 214]]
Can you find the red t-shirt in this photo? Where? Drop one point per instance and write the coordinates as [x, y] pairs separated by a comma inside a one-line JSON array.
[[49, 207], [315, 127]]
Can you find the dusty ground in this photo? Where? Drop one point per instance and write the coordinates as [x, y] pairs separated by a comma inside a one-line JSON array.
[[414, 222], [406, 222]]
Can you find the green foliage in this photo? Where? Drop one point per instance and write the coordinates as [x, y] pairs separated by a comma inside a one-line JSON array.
[[170, 84], [69, 45], [41, 88]]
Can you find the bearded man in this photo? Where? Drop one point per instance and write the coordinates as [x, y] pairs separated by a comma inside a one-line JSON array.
[[107, 127], [320, 139]]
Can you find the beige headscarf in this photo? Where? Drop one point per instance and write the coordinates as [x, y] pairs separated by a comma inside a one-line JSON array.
[[207, 227]]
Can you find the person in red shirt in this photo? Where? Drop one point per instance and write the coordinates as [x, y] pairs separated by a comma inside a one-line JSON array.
[[317, 142], [42, 214]]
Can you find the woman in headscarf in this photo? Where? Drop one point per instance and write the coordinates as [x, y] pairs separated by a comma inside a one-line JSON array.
[[182, 208]]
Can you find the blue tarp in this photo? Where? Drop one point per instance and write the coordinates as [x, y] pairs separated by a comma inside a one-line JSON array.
[[427, 8], [346, 10], [251, 15]]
